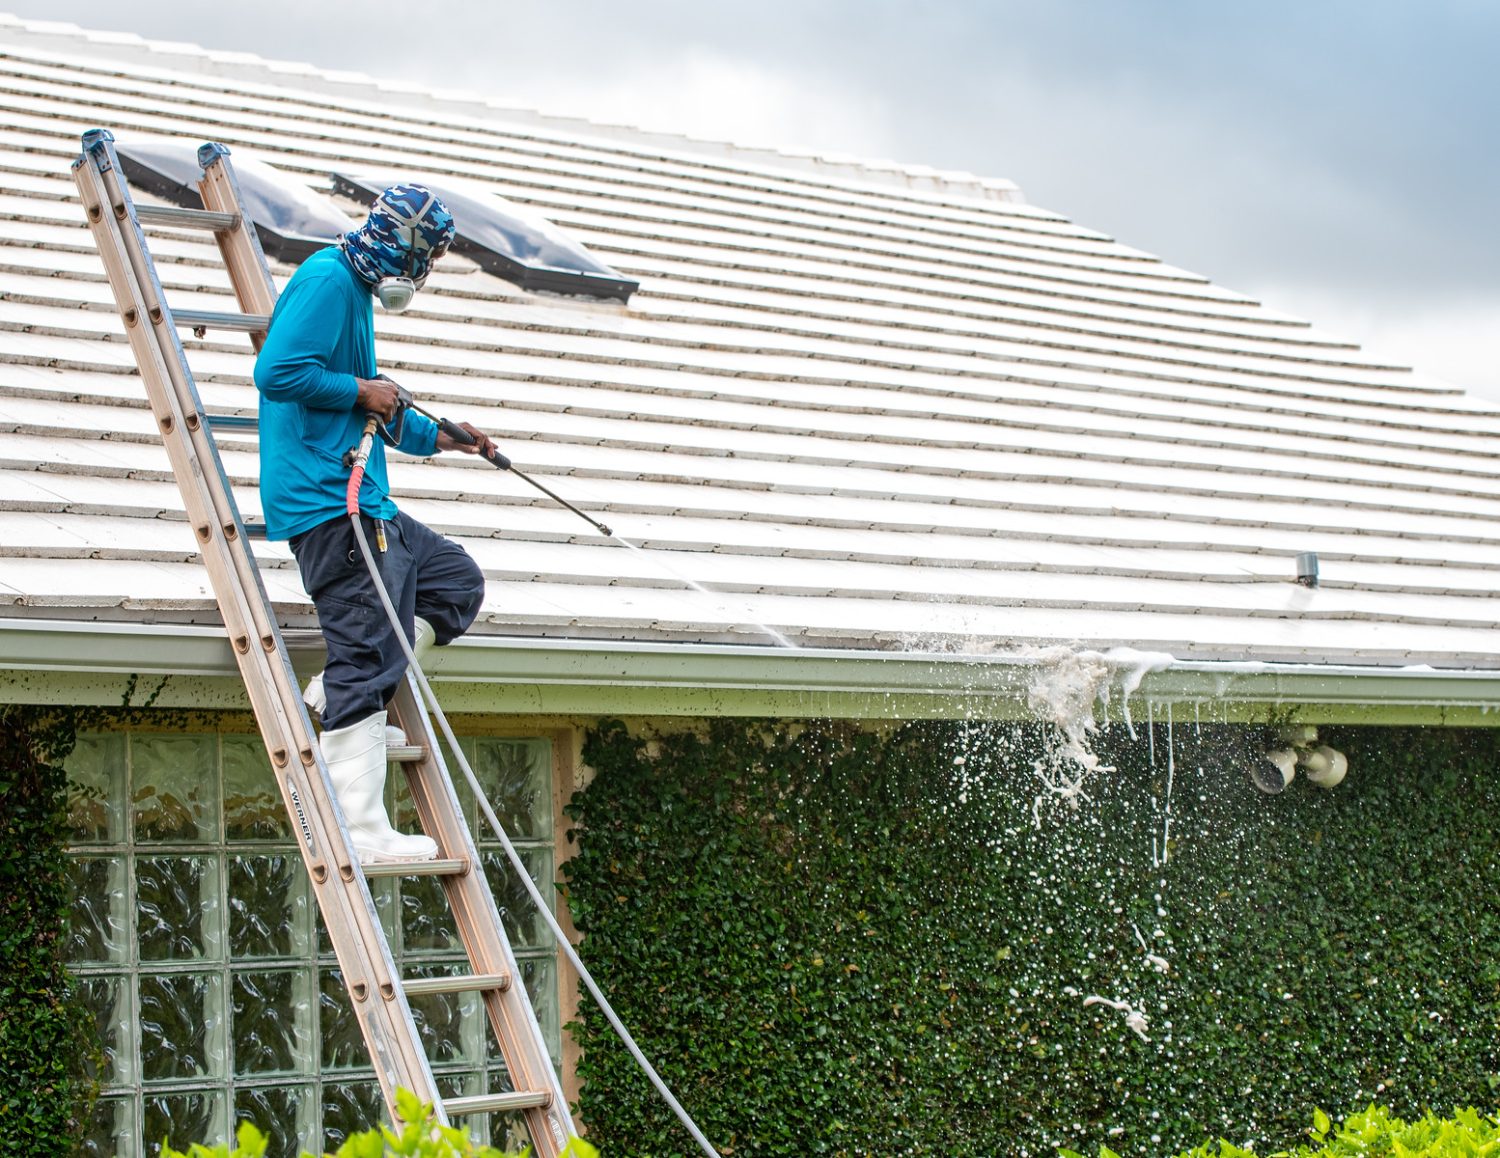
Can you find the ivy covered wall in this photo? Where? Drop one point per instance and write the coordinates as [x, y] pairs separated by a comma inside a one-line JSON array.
[[833, 942], [46, 1045], [842, 942]]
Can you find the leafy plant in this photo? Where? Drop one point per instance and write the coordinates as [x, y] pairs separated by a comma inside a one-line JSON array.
[[46, 1052], [419, 1137], [833, 941], [1377, 1133]]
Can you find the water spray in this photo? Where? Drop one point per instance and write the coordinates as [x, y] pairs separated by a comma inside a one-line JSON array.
[[501, 462]]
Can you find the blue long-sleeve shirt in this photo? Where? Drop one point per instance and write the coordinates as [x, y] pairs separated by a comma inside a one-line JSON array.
[[322, 338]]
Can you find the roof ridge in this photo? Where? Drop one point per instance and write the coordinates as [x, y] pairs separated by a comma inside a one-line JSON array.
[[183, 56]]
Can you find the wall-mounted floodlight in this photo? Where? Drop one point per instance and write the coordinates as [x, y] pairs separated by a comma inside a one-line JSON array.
[[1298, 747], [291, 221], [1273, 772], [1323, 766], [503, 238]]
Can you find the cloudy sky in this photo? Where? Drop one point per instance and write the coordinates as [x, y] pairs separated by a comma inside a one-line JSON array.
[[1334, 157]]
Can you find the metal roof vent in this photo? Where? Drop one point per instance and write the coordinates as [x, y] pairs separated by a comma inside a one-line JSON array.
[[503, 238], [291, 221]]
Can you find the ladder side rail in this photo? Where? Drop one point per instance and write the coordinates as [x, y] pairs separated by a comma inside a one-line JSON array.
[[249, 272], [238, 585], [343, 895], [477, 920], [189, 416], [186, 464], [192, 420]]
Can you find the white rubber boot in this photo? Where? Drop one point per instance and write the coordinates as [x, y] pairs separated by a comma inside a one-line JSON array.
[[424, 635], [357, 766], [316, 699]]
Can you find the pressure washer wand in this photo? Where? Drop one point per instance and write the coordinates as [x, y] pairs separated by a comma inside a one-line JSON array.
[[500, 462], [458, 434]]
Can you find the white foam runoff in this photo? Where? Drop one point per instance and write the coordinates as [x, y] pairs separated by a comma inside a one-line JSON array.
[[1066, 684], [1137, 666], [1135, 1019], [1155, 960]]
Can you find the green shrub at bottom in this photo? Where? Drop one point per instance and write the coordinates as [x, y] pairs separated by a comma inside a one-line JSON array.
[[419, 1137], [1375, 1133]]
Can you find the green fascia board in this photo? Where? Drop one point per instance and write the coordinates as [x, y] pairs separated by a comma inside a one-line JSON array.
[[93, 663]]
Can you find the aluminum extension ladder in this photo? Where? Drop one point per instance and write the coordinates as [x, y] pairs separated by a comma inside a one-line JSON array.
[[378, 994]]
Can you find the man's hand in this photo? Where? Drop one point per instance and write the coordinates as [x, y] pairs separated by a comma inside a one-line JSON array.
[[378, 396], [482, 442]]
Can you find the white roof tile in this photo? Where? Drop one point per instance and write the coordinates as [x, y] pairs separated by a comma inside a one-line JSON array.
[[857, 413]]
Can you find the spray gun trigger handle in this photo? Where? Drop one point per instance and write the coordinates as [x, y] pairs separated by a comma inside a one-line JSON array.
[[499, 460], [393, 429], [403, 395]]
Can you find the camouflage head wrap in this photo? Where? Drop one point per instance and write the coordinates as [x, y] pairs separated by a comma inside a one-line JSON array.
[[405, 218]]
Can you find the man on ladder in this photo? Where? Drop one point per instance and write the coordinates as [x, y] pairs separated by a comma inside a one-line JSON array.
[[317, 379]]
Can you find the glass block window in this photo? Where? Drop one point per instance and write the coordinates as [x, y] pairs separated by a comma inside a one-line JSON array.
[[199, 947]]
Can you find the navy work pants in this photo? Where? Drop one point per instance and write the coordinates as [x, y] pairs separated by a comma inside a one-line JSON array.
[[426, 575]]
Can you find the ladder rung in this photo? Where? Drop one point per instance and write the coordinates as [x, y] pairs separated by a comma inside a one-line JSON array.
[[186, 218], [407, 754], [245, 422], [455, 983], [497, 1103], [214, 320], [419, 868]]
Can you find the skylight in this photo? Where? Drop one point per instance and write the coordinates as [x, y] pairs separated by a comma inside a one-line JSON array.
[[504, 239], [291, 220]]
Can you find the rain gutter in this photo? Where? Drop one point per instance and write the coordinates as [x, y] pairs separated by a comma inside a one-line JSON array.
[[192, 666]]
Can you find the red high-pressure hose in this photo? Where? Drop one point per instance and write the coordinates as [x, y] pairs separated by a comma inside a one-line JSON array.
[[356, 462]]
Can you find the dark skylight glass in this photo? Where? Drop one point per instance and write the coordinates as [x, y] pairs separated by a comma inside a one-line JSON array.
[[291, 220], [503, 238]]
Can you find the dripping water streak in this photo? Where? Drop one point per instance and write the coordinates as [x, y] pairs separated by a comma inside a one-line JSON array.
[[1151, 742], [1166, 830]]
